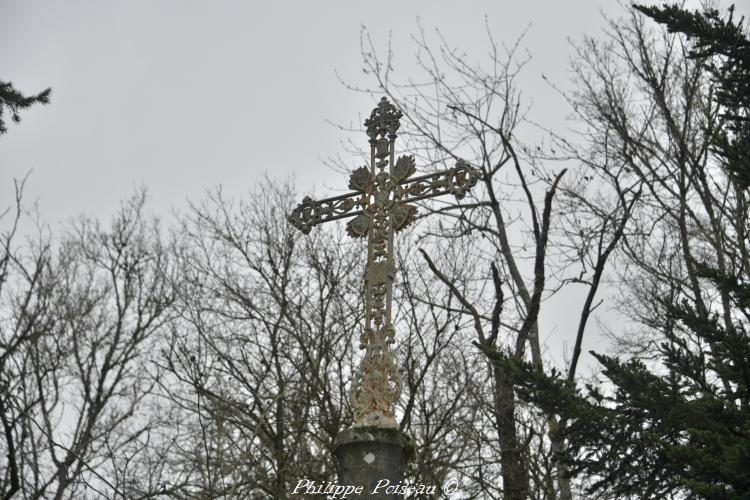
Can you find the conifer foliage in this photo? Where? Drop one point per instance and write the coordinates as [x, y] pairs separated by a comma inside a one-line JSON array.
[[726, 50], [681, 428], [14, 101]]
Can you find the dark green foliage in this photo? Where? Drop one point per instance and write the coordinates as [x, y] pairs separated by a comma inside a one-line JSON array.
[[726, 50], [682, 428], [14, 101], [687, 430]]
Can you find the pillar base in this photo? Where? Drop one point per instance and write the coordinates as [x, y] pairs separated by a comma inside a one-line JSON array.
[[370, 456]]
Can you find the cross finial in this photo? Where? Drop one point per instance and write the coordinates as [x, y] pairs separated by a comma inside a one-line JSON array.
[[383, 121]]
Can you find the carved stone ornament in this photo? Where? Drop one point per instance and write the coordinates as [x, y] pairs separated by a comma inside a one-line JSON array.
[[378, 384], [384, 120], [462, 177], [456, 181], [361, 179], [302, 217], [381, 205], [404, 167], [402, 216], [359, 226]]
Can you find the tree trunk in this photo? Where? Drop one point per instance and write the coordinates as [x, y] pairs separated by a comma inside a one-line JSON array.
[[512, 456], [556, 444]]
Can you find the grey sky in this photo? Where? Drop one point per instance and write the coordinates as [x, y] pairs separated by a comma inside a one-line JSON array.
[[182, 96]]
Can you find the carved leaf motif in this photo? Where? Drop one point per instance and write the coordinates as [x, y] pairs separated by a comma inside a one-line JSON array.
[[404, 167], [402, 216], [359, 226], [360, 179], [378, 382]]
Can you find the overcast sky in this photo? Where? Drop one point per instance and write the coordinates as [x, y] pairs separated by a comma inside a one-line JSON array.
[[185, 95], [182, 96]]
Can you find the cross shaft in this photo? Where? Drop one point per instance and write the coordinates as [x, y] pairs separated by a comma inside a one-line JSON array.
[[380, 205]]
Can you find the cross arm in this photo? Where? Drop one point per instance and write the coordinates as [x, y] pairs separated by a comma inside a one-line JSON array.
[[457, 181], [310, 212]]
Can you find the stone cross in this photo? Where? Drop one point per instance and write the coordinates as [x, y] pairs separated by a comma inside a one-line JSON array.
[[381, 204]]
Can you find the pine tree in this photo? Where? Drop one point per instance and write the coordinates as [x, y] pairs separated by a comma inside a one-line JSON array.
[[726, 49], [14, 101], [684, 429], [687, 431]]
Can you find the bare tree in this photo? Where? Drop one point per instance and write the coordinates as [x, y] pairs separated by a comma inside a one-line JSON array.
[[24, 303], [651, 120], [260, 360], [443, 391], [656, 132], [261, 357], [82, 317], [523, 248]]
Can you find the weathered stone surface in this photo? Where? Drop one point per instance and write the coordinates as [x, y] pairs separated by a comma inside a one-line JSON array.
[[367, 455]]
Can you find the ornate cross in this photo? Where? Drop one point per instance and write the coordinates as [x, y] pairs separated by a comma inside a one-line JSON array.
[[380, 206]]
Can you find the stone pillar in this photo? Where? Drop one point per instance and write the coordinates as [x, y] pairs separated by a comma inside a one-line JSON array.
[[369, 456]]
